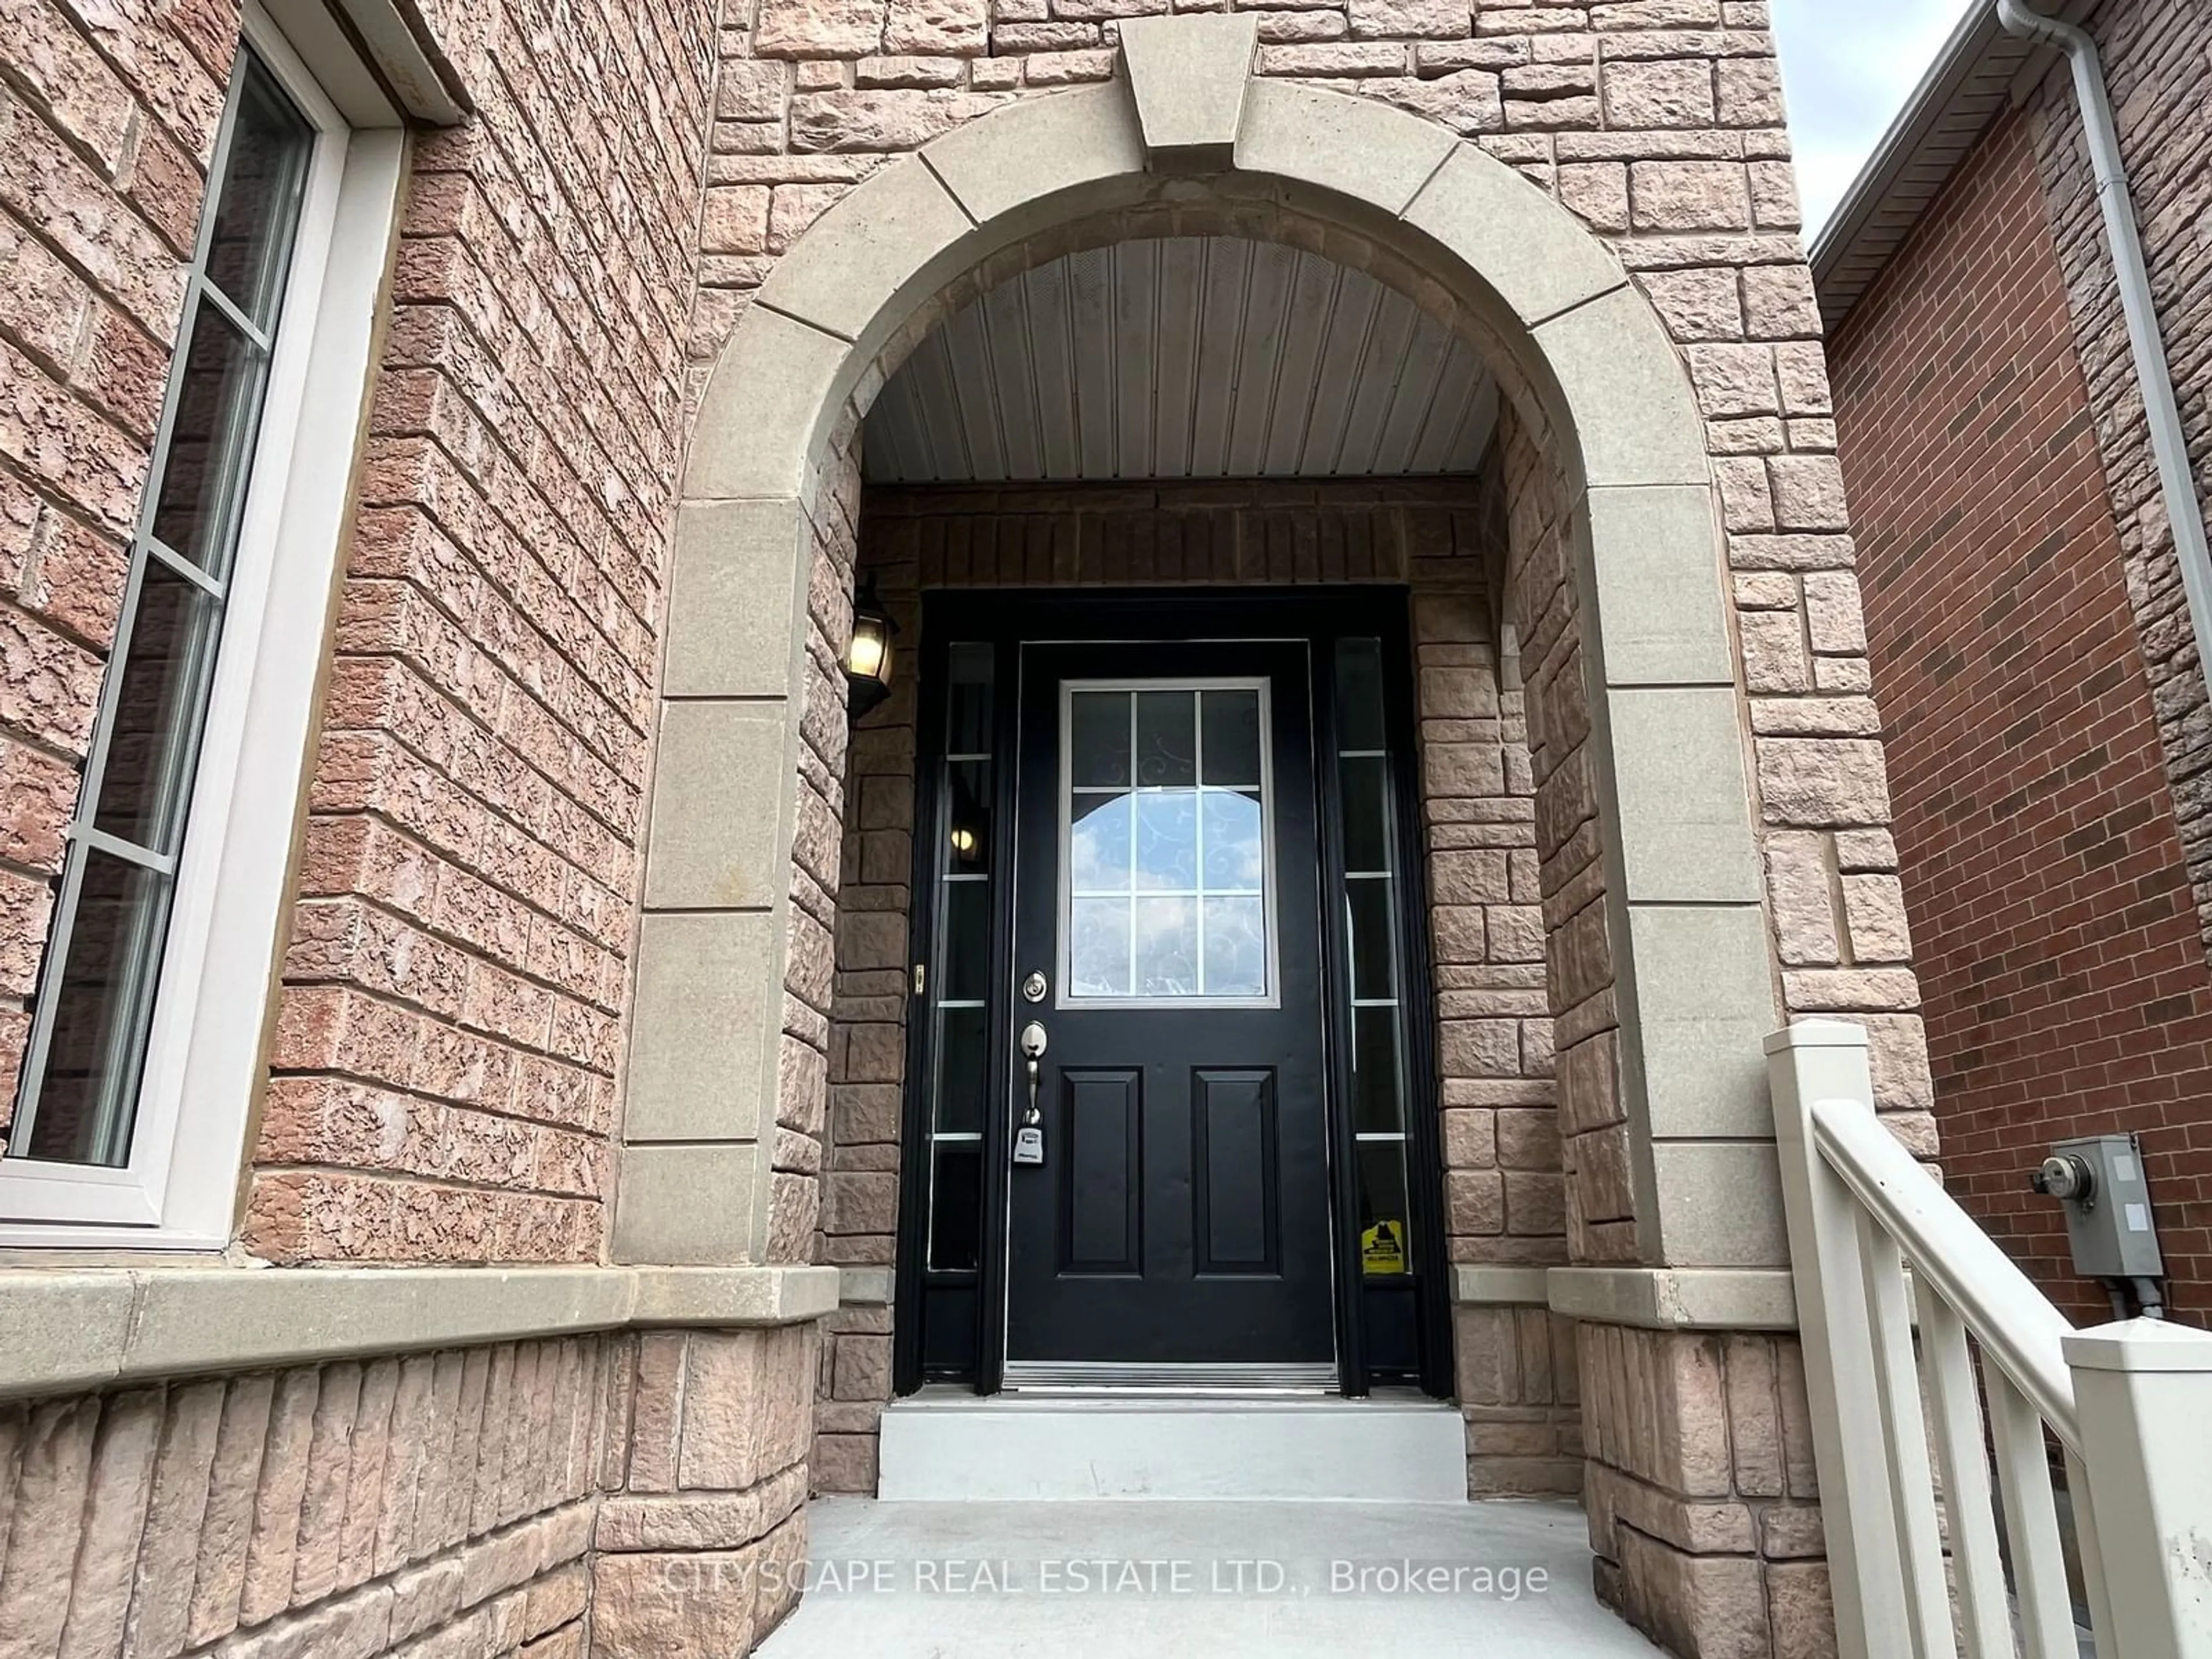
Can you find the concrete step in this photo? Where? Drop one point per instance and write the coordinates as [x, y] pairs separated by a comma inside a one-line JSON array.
[[1198, 1581], [955, 1446]]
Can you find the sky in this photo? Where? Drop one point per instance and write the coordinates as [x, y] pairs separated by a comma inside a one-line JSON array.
[[1847, 68]]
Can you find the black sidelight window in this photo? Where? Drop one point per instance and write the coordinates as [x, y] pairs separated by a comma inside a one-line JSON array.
[[1371, 915], [960, 963]]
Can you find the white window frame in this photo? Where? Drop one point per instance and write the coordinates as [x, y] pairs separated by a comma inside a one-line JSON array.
[[179, 1189]]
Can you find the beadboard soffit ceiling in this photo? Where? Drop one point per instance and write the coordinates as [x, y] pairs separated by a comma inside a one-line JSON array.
[[1183, 357]]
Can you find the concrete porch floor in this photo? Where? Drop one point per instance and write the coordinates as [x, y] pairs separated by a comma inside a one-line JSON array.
[[1101, 1580]]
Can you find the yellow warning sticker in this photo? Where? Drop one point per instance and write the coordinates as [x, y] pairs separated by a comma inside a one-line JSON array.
[[1382, 1248]]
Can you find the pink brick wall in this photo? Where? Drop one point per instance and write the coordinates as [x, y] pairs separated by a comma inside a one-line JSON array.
[[478, 1500], [445, 1041], [702, 1531], [446, 1037], [342, 1508], [1702, 1492], [445, 1048]]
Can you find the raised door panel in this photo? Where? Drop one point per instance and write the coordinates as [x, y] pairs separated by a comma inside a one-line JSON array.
[[1103, 1172], [1235, 1160]]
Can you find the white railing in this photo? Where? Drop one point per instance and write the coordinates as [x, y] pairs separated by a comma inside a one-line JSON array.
[[1876, 1245]]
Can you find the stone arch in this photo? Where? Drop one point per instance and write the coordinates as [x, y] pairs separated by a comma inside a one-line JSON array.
[[1591, 371]]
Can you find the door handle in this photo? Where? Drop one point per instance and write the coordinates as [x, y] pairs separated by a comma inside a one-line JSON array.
[[1029, 1140]]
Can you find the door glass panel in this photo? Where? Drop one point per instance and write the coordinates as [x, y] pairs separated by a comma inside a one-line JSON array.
[[962, 1066], [1375, 1090], [1232, 724], [956, 1206], [967, 967], [1167, 740], [1359, 696], [968, 815], [1366, 818], [1098, 739], [1236, 947], [1372, 896], [1165, 806], [960, 974], [968, 703], [1166, 841], [1367, 905], [1099, 846], [1098, 947], [1236, 851], [1167, 947]]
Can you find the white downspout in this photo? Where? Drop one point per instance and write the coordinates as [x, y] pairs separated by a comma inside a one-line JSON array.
[[2177, 484]]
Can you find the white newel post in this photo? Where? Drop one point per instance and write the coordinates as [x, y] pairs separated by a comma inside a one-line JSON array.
[[2142, 1392], [1816, 1061]]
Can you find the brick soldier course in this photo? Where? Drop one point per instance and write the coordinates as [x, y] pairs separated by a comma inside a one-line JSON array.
[[575, 1054]]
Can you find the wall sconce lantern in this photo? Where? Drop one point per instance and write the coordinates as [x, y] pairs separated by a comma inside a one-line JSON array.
[[868, 654]]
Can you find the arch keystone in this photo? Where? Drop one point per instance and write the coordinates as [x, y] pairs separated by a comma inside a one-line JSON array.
[[1188, 74]]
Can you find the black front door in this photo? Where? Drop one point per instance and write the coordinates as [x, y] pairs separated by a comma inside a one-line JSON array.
[[1172, 1213]]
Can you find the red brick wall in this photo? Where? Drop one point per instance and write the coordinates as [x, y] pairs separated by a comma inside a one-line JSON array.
[[2065, 992], [2154, 54]]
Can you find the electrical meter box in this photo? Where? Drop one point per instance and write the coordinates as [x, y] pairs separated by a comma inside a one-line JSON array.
[[2099, 1178]]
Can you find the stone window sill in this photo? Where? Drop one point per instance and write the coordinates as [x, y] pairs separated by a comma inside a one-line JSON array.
[[71, 1329]]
